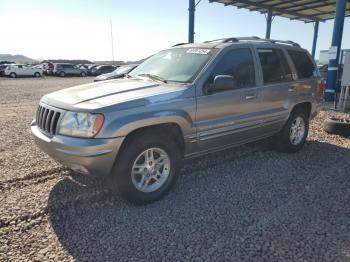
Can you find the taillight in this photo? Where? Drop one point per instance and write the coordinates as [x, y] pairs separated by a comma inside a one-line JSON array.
[[322, 88]]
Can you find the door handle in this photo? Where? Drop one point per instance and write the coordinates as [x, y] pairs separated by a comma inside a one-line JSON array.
[[291, 88], [250, 97]]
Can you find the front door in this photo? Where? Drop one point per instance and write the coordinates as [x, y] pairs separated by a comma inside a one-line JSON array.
[[229, 117]]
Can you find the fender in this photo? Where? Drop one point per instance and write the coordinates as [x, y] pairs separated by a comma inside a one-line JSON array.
[[124, 124]]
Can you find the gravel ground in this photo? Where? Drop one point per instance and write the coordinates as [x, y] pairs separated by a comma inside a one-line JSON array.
[[245, 204]]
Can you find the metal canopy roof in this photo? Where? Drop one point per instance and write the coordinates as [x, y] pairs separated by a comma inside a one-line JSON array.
[[304, 10]]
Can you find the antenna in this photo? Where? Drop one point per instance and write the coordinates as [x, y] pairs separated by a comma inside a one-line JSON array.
[[112, 40]]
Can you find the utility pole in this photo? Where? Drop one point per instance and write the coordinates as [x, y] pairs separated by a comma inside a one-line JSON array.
[[112, 40]]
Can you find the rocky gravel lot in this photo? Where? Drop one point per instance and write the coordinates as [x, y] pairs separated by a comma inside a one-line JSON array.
[[245, 204]]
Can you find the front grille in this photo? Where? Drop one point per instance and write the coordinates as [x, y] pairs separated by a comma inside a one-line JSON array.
[[47, 119]]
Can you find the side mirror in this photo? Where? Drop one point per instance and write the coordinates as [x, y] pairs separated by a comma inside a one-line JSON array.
[[222, 83]]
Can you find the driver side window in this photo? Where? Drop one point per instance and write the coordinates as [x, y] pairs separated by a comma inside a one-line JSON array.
[[237, 63]]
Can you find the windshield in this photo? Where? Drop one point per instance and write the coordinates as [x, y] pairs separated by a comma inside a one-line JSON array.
[[177, 65]]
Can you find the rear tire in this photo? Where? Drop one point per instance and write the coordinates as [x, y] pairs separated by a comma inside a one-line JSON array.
[[62, 74], [293, 135], [13, 75], [37, 74], [131, 167], [83, 74]]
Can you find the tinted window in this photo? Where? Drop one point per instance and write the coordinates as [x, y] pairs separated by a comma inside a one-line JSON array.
[[303, 64], [108, 68], [239, 64], [274, 66], [66, 66]]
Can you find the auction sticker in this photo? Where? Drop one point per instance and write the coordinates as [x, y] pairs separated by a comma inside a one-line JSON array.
[[200, 51]]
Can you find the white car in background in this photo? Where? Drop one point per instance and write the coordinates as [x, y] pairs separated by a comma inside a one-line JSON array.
[[15, 70]]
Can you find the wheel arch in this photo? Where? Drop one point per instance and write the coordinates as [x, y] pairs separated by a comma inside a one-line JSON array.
[[173, 130], [305, 106]]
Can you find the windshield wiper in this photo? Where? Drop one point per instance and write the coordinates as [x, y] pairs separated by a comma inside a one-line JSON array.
[[154, 77], [127, 76]]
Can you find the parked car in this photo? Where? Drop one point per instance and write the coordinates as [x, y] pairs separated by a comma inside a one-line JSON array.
[[66, 69], [182, 102], [102, 69], [2, 69], [15, 70], [118, 73]]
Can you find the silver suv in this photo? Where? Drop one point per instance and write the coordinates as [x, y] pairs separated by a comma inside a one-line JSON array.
[[67, 69], [183, 102]]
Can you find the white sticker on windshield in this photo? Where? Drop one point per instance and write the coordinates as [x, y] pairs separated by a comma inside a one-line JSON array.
[[198, 51], [265, 50]]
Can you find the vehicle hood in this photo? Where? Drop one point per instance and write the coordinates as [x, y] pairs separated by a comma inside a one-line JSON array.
[[107, 93]]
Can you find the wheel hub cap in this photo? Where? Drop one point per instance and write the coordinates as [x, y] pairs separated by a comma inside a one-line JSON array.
[[150, 170], [297, 131]]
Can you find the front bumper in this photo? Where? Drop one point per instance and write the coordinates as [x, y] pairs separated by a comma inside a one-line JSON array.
[[90, 156]]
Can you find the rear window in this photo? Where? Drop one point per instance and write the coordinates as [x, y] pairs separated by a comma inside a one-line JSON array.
[[67, 66], [304, 66], [274, 65]]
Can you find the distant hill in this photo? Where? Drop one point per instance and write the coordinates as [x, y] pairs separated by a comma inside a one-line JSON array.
[[72, 61], [17, 58], [27, 60]]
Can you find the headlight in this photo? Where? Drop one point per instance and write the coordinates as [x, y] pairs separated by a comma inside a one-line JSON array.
[[80, 124]]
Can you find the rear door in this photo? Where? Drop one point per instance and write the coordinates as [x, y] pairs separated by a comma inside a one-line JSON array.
[[278, 88], [21, 70], [71, 70], [308, 77], [231, 116], [76, 70]]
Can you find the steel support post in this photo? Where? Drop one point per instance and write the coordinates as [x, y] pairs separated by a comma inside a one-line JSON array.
[[336, 45], [314, 42], [268, 24], [191, 10]]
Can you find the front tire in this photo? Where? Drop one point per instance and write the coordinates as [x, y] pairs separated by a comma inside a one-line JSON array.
[[62, 74], [37, 74], [147, 168], [293, 135], [13, 75], [83, 74]]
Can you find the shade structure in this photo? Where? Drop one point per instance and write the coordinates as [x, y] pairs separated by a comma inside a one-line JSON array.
[[303, 10]]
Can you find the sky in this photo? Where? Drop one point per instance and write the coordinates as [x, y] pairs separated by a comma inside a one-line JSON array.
[[80, 29]]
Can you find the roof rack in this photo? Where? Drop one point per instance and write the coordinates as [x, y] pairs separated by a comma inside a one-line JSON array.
[[252, 38], [180, 44]]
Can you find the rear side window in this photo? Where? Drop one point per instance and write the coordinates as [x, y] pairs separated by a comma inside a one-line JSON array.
[[274, 66], [303, 64], [239, 64]]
